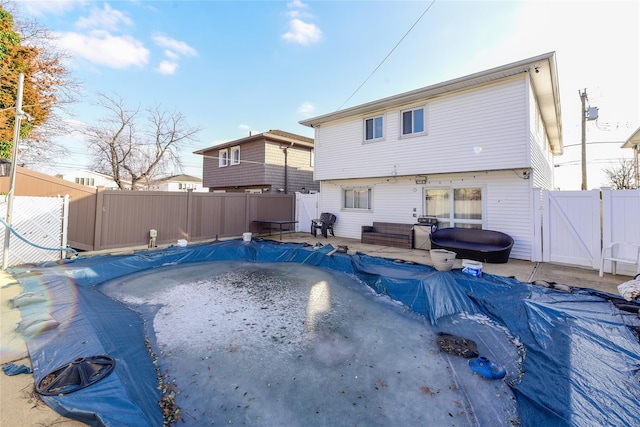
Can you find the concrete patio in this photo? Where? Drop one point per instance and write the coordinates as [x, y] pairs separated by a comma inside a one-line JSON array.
[[525, 271]]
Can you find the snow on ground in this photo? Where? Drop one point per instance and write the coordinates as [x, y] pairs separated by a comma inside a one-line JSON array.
[[288, 344]]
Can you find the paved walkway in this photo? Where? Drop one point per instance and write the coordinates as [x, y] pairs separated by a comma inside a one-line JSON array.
[[525, 271], [20, 405]]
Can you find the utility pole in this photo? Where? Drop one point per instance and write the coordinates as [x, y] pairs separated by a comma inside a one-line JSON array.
[[583, 120], [12, 175]]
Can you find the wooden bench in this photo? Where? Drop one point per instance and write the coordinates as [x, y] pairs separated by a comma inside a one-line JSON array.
[[472, 243], [388, 234]]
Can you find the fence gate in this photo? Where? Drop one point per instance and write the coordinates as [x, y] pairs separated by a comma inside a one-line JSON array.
[[40, 220], [571, 227], [306, 210], [620, 222]]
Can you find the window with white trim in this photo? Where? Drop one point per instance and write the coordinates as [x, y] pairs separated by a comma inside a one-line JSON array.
[[356, 198], [455, 207], [223, 158], [373, 128], [412, 121], [235, 155]]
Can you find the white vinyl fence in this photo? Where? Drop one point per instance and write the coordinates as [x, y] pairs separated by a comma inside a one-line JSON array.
[[41, 221], [576, 225], [306, 210]]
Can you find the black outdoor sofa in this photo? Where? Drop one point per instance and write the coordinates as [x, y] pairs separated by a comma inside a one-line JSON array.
[[471, 243]]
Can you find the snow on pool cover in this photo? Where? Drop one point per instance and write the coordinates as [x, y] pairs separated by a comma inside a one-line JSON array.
[[254, 333]]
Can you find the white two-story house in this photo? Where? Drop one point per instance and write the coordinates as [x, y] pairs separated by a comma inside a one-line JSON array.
[[468, 151]]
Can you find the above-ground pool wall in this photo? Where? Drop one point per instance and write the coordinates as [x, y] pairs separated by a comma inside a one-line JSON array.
[[576, 345], [507, 203]]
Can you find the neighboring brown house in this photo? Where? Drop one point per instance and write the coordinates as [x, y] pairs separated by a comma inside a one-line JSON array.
[[273, 161]]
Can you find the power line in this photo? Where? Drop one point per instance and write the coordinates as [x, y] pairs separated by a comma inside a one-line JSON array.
[[388, 55], [595, 142]]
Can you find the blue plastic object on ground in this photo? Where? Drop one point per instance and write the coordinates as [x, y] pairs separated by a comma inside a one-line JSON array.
[[487, 368], [13, 369]]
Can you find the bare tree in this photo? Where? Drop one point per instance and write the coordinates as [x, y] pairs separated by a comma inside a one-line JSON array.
[[621, 177], [135, 145]]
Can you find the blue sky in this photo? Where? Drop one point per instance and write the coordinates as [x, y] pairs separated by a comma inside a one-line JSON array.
[[237, 66]]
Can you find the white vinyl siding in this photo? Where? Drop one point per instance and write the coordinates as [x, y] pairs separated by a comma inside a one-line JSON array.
[[484, 128], [540, 154], [507, 200]]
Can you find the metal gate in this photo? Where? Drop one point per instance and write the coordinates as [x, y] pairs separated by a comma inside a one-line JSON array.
[[40, 220], [306, 210]]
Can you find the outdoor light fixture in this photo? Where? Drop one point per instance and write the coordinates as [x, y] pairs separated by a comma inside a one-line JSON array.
[[421, 180], [5, 167]]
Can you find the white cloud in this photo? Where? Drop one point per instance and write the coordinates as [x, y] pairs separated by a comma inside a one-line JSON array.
[[107, 18], [171, 54], [297, 4], [302, 33], [174, 49], [52, 7], [167, 67], [100, 47], [175, 46], [307, 108]]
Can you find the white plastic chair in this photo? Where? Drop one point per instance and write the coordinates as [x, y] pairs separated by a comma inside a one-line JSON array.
[[628, 253]]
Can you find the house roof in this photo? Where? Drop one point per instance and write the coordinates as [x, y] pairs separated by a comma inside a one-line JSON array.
[[633, 141], [273, 135], [544, 77], [180, 178]]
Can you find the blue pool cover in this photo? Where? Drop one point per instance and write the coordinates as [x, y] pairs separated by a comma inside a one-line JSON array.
[[580, 351]]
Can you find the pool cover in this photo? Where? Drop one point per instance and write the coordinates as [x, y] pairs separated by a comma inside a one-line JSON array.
[[572, 357]]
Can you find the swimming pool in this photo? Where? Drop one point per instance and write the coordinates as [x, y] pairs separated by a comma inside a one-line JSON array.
[[237, 352]]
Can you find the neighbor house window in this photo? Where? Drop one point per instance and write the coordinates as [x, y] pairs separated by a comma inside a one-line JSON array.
[[455, 207], [235, 155], [413, 121], [85, 181], [373, 128], [356, 198], [223, 158]]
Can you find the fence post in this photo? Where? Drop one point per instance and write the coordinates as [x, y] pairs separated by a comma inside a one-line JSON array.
[[546, 232], [65, 225], [607, 233], [97, 236], [536, 251], [247, 214], [189, 209]]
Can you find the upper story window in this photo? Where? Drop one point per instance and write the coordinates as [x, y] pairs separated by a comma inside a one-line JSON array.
[[373, 128], [413, 121], [235, 155], [223, 158]]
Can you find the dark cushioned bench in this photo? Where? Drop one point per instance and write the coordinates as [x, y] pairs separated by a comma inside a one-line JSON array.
[[388, 234], [470, 243]]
